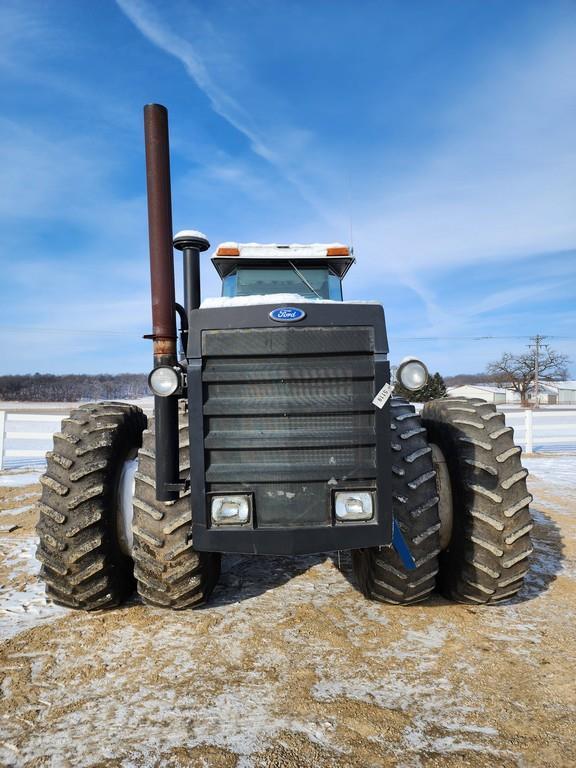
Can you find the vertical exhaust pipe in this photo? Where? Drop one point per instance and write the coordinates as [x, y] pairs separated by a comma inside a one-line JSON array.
[[160, 232], [163, 294]]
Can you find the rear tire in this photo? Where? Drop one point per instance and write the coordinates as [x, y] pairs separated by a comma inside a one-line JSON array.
[[380, 572], [169, 571], [486, 558], [83, 565]]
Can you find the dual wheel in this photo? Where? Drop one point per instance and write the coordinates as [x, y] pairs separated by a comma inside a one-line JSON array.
[[459, 498], [461, 502], [102, 532]]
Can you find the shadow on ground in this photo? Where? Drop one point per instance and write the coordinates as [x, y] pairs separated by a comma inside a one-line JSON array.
[[246, 576], [547, 558]]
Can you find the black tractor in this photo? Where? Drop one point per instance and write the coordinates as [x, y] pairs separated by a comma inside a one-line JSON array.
[[275, 432]]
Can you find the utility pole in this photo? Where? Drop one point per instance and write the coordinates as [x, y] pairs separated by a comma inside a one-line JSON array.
[[538, 339]]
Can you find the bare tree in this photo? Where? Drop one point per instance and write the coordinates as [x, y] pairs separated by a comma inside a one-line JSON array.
[[519, 371]]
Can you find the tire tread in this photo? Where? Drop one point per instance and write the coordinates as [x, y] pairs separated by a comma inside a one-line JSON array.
[[81, 563], [380, 572], [169, 572], [487, 558]]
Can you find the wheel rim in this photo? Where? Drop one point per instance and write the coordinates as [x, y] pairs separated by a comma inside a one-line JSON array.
[[444, 491], [125, 506]]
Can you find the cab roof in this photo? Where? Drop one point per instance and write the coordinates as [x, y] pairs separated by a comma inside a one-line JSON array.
[[335, 255]]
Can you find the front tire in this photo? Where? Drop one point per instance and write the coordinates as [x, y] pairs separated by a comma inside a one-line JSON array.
[[83, 564], [170, 573], [486, 558], [380, 572]]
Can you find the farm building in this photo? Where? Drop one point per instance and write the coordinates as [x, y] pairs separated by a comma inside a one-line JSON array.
[[488, 392], [547, 395], [550, 393], [565, 390]]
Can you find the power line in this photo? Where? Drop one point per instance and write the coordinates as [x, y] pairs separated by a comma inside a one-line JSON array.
[[473, 338], [43, 329]]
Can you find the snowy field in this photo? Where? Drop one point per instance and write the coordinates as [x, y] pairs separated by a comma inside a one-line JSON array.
[[29, 428], [559, 471], [290, 667]]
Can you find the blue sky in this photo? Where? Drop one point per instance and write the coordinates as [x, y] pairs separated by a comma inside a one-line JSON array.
[[439, 136]]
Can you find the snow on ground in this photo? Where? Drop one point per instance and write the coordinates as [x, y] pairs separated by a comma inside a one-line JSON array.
[[286, 646], [289, 653], [25, 606], [559, 471], [13, 511], [283, 647], [17, 479]]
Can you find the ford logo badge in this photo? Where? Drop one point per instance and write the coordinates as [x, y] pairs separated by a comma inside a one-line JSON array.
[[287, 314]]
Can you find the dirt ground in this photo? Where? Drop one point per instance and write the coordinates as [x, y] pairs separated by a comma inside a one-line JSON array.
[[290, 667]]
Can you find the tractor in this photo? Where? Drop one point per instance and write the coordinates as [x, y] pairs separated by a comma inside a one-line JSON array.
[[276, 432]]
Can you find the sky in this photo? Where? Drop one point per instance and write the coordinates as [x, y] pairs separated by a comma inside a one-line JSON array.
[[438, 138]]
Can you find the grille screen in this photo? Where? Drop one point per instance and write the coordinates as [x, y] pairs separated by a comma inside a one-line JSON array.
[[287, 413]]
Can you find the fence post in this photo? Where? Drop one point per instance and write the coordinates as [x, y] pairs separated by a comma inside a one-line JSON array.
[[2, 423], [528, 423]]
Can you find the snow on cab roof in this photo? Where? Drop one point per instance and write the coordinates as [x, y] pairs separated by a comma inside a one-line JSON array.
[[228, 254], [271, 298], [279, 249]]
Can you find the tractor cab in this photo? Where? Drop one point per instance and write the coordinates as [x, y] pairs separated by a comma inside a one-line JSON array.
[[311, 271]]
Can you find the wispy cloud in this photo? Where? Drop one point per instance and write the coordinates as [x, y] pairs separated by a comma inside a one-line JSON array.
[[498, 182], [69, 254], [22, 33], [289, 142], [501, 182]]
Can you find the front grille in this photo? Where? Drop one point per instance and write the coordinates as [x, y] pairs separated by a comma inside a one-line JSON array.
[[287, 414]]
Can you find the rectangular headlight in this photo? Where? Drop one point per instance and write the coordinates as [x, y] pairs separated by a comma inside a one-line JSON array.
[[353, 505], [230, 510]]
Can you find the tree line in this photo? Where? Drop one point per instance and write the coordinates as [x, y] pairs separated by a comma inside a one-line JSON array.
[[465, 378], [515, 371], [73, 387]]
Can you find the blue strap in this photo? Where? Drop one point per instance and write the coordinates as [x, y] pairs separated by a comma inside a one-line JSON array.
[[399, 544]]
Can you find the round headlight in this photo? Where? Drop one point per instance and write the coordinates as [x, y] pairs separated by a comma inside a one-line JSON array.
[[412, 374], [164, 381]]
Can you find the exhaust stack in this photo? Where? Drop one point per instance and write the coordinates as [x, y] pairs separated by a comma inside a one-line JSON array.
[[160, 232], [164, 337]]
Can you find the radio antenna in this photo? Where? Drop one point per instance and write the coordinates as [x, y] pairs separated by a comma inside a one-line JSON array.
[[351, 227]]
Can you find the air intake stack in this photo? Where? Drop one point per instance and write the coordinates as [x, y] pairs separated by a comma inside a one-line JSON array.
[[163, 294]]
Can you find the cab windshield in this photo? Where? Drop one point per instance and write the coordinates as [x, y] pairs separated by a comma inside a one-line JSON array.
[[309, 282]]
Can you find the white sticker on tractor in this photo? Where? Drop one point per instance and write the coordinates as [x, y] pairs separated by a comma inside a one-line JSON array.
[[383, 396]]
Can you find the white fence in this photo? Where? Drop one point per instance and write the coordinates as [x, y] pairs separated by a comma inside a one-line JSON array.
[[25, 437], [545, 430]]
